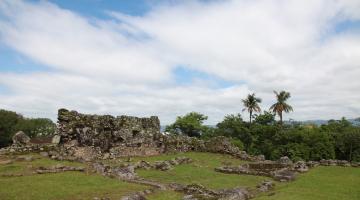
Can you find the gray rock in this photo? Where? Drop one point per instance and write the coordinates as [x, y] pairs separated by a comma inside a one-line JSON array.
[[56, 139], [300, 166], [163, 165], [285, 160], [284, 175], [20, 138], [265, 186]]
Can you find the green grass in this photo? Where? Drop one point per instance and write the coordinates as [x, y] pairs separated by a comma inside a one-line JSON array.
[[63, 186], [165, 195], [321, 183], [200, 171], [26, 167]]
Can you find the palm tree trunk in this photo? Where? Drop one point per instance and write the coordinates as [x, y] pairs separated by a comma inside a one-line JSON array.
[[281, 120], [250, 116]]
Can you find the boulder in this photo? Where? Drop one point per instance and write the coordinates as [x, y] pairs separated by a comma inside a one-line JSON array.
[[258, 158], [55, 139], [312, 164], [20, 138], [221, 144], [234, 194], [285, 160], [143, 165], [284, 175], [163, 165], [343, 163], [265, 186], [300, 166], [127, 172]]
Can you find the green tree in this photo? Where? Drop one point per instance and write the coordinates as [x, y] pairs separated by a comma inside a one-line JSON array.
[[233, 126], [11, 122], [191, 125], [251, 104], [267, 118], [8, 121], [36, 126], [348, 143], [281, 106]]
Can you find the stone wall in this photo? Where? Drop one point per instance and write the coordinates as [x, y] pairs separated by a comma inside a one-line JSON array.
[[122, 135], [93, 136]]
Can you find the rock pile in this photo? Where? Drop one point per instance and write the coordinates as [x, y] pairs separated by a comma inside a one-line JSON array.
[[281, 170], [58, 168], [199, 192], [163, 165], [265, 186], [120, 172]]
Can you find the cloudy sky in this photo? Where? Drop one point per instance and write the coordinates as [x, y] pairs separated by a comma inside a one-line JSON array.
[[167, 58]]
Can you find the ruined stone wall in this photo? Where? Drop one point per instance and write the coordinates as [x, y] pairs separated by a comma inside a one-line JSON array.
[[122, 135], [94, 136]]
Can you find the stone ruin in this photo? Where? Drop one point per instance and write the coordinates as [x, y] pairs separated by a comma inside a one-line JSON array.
[[122, 135], [92, 137]]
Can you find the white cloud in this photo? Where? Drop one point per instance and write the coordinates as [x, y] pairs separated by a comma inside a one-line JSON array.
[[124, 65]]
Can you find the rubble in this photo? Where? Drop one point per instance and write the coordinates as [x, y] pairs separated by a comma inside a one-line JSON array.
[[58, 168]]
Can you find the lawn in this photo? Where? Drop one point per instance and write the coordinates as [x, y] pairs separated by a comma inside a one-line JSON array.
[[63, 186], [321, 183], [200, 171], [27, 167], [60, 186]]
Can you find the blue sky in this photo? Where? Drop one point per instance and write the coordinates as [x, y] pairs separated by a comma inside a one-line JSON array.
[[167, 58]]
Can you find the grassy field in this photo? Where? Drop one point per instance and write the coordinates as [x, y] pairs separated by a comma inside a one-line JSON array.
[[321, 183], [201, 171], [63, 186], [60, 186], [26, 167]]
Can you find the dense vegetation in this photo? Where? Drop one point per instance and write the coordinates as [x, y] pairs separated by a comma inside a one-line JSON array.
[[11, 122], [338, 139]]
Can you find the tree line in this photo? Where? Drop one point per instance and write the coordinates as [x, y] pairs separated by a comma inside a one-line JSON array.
[[11, 122], [262, 134]]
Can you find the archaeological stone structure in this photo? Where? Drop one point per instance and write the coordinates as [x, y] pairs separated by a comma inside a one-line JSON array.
[[122, 135], [94, 136]]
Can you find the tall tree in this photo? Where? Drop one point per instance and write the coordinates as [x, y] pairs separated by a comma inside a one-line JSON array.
[[281, 106], [251, 104], [190, 124]]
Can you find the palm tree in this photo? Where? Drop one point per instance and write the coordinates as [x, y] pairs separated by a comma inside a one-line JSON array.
[[281, 104], [251, 104]]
